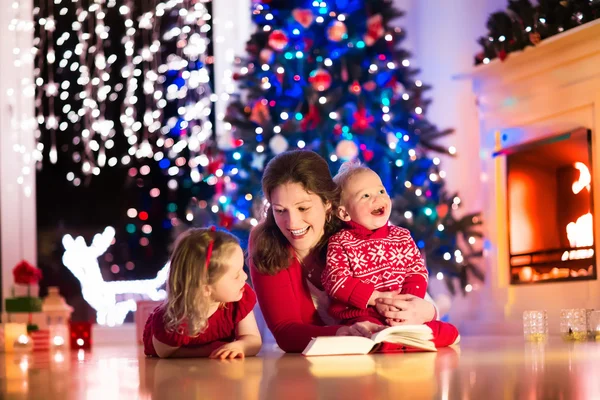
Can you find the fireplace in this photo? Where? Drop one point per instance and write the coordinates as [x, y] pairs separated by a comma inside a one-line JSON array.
[[550, 209], [535, 189]]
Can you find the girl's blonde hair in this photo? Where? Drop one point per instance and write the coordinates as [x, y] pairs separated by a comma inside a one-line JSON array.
[[348, 170], [188, 276]]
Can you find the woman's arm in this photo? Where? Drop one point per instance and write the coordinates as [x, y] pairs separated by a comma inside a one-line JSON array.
[[281, 309], [166, 351]]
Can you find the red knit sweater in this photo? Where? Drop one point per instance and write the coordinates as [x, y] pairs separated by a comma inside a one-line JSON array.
[[360, 261], [288, 308]]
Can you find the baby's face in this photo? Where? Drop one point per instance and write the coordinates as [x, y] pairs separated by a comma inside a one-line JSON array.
[[366, 201]]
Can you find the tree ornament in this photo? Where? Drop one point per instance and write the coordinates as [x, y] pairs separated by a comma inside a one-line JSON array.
[[362, 120], [368, 155], [258, 161], [303, 16], [320, 79], [312, 119], [375, 29], [346, 150], [225, 220], [278, 144], [266, 56], [535, 38], [260, 112], [442, 210], [392, 140], [337, 31], [355, 88], [370, 86], [278, 40]]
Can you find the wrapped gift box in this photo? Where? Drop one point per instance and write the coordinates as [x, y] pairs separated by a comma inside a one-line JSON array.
[[80, 335], [41, 339], [144, 308], [23, 304]]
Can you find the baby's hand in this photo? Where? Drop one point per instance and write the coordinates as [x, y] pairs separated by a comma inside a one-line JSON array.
[[381, 295], [229, 350], [383, 308]]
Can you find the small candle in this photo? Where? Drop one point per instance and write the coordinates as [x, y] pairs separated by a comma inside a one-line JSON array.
[[58, 341]]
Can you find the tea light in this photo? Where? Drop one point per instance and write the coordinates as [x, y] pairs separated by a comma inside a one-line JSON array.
[[535, 325], [23, 343], [58, 341], [573, 324]]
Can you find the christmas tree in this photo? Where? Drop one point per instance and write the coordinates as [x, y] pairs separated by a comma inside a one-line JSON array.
[[330, 76]]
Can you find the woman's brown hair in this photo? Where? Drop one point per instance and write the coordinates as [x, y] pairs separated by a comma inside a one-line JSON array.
[[188, 275], [269, 249]]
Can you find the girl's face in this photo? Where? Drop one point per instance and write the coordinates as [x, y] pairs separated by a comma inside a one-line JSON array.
[[230, 287], [299, 215]]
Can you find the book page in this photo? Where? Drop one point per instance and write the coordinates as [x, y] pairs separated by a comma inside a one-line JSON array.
[[338, 345], [422, 332]]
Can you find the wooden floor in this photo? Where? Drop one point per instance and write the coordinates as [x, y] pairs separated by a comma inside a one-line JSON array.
[[482, 368]]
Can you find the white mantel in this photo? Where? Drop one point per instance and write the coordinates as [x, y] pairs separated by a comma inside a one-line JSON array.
[[542, 91]]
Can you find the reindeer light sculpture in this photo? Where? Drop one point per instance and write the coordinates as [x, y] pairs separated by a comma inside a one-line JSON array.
[[111, 300]]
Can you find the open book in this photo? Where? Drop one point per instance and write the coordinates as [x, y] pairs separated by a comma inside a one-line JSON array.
[[415, 337]]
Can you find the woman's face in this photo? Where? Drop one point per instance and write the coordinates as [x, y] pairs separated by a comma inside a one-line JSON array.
[[299, 215]]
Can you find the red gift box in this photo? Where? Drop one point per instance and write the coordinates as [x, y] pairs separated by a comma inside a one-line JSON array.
[[41, 339], [80, 334]]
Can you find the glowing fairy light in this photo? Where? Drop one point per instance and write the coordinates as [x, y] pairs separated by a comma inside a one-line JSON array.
[[85, 76]]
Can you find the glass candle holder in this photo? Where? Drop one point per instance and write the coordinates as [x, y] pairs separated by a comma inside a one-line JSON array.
[[535, 325], [594, 324], [573, 323]]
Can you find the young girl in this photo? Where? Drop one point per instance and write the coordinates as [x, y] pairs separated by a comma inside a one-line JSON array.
[[208, 310]]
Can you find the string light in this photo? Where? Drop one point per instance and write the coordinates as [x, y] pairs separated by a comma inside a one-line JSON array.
[[86, 50]]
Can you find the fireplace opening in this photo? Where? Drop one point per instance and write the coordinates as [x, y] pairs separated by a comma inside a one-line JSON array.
[[550, 209]]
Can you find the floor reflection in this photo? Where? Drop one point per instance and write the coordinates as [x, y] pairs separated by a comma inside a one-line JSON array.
[[482, 368]]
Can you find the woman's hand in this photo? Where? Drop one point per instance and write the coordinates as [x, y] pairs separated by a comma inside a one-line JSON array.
[[229, 350], [364, 328], [405, 309]]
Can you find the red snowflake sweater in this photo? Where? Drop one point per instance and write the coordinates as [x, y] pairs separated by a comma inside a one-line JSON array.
[[360, 261]]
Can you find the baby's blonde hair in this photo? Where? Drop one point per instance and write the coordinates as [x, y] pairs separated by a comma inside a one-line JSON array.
[[188, 275], [346, 172]]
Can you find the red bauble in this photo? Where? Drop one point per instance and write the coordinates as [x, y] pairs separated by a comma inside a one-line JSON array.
[[337, 31], [278, 40], [368, 155], [320, 79], [303, 17]]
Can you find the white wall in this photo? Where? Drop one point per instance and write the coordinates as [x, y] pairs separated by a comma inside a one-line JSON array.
[[17, 172], [442, 38]]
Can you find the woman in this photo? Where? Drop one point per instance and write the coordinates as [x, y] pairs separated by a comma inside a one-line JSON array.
[[287, 256]]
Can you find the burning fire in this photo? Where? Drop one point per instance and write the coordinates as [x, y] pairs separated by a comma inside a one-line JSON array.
[[581, 232]]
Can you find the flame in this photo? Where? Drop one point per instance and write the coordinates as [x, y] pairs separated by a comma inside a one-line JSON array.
[[585, 178], [581, 232]]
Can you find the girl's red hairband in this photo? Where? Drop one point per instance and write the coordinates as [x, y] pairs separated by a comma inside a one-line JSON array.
[[210, 248]]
